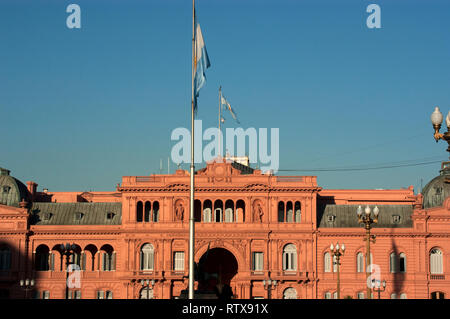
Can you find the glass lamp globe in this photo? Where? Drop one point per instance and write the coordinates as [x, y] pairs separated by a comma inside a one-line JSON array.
[[331, 247], [376, 211], [447, 120], [343, 247], [359, 211], [367, 210], [436, 117]]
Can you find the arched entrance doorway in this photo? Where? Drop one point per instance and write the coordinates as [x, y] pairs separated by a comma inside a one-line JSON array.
[[217, 267]]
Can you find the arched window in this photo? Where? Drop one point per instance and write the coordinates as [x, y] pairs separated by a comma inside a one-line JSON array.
[[327, 295], [147, 257], [229, 211], [42, 258], [436, 261], [402, 263], [290, 258], [207, 211], [281, 212], [370, 263], [403, 296], [146, 293], [147, 211], [108, 258], [139, 211], [393, 295], [327, 262], [360, 262], [393, 263], [90, 253], [298, 212], [240, 210], [360, 295], [77, 257], [155, 215], [290, 293], [437, 295], [5, 258], [197, 210], [289, 212], [218, 211]]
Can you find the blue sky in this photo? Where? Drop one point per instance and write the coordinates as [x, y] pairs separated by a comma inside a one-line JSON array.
[[81, 108]]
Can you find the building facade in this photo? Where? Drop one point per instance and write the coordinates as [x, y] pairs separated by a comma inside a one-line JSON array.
[[250, 228]]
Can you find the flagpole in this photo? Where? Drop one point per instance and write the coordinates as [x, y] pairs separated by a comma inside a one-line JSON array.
[[191, 211], [220, 119]]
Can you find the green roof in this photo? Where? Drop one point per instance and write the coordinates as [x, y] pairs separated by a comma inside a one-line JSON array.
[[341, 216], [12, 191], [76, 214]]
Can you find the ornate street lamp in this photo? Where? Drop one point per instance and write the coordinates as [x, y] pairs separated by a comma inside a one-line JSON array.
[[269, 285], [337, 252], [378, 285], [367, 220], [146, 283], [436, 120], [67, 250], [26, 285]]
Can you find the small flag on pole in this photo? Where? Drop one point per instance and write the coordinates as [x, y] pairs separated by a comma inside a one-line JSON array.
[[201, 62], [228, 106]]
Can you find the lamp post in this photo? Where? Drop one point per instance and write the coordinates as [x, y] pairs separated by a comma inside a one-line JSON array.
[[67, 250], [146, 282], [436, 120], [337, 252], [269, 285], [367, 220], [26, 285], [378, 285]]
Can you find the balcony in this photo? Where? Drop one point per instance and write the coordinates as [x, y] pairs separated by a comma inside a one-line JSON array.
[[437, 277], [84, 274]]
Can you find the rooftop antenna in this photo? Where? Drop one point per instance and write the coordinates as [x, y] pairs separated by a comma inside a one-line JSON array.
[[160, 166]]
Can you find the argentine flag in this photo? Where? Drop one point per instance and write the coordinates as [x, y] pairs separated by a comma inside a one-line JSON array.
[[228, 106], [201, 63]]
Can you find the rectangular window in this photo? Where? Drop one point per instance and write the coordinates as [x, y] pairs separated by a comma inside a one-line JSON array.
[[46, 294], [74, 294], [178, 261], [109, 295], [100, 294], [258, 259]]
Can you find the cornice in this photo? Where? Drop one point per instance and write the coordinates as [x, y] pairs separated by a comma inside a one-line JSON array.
[[219, 189]]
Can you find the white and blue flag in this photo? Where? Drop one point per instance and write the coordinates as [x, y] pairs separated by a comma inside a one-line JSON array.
[[228, 106], [201, 63]]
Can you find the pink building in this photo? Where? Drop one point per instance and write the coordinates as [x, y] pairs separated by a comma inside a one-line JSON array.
[[250, 228]]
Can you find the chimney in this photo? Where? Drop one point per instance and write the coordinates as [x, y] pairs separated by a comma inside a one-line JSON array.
[[32, 186]]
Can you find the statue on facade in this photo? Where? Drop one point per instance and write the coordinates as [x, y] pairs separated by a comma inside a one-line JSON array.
[[179, 211], [258, 212]]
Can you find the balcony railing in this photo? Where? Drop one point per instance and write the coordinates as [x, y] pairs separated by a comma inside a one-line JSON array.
[[437, 277]]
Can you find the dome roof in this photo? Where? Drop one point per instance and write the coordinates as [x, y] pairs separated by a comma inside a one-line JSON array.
[[438, 189], [12, 191]]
